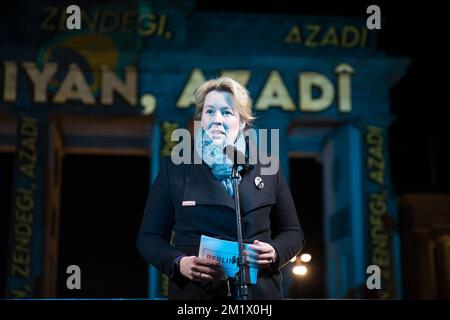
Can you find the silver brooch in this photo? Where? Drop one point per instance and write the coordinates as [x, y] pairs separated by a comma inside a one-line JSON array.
[[259, 183]]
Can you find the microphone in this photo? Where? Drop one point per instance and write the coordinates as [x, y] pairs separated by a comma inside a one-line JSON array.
[[236, 156]]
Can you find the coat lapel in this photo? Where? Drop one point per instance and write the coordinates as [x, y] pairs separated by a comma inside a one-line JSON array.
[[204, 189], [250, 196]]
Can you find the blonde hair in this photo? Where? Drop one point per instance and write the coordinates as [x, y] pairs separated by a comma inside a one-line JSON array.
[[241, 97]]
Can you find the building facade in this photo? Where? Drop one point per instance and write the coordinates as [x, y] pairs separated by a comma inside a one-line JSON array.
[[122, 83]]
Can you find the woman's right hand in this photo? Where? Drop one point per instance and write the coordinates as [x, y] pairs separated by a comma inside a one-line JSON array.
[[200, 269]]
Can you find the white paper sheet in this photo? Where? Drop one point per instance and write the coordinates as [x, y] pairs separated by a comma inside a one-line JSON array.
[[226, 252]]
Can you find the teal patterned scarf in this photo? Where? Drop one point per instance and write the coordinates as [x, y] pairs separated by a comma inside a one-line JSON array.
[[214, 157]]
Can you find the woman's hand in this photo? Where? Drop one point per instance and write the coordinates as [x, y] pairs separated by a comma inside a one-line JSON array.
[[260, 254], [201, 269]]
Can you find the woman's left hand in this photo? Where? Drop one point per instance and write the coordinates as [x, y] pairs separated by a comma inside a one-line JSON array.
[[261, 254]]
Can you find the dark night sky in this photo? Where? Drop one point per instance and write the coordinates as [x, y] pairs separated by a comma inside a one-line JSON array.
[[416, 30]]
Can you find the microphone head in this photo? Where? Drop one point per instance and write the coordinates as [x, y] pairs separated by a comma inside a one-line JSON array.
[[236, 157]]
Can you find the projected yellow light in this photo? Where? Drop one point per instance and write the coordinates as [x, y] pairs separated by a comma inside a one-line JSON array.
[[306, 257], [299, 270]]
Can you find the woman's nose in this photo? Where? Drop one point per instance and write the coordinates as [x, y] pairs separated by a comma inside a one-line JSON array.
[[218, 118]]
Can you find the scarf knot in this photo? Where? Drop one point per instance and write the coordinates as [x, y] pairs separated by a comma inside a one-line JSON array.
[[216, 159]]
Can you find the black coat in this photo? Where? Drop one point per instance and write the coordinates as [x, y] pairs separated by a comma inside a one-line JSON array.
[[268, 215]]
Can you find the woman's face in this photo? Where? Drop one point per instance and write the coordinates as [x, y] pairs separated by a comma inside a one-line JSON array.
[[220, 119]]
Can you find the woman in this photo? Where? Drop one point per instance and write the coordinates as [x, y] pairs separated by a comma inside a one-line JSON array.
[[197, 199]]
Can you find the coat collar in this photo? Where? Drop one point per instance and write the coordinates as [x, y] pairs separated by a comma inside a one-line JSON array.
[[203, 188]]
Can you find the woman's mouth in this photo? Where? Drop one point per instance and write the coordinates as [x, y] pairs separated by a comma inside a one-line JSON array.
[[217, 132]]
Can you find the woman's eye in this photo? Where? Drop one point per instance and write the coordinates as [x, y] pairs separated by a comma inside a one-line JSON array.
[[228, 112], [209, 111]]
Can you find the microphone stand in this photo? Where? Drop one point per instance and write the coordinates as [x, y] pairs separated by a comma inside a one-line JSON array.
[[241, 276]]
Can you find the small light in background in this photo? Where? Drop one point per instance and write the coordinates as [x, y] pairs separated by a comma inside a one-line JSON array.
[[306, 257], [299, 270], [293, 259]]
